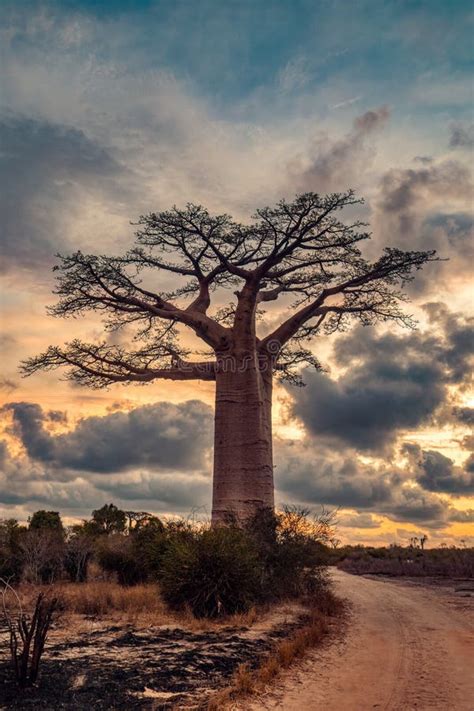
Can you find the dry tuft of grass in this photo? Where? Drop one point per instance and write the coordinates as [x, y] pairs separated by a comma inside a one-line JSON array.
[[246, 681], [104, 598]]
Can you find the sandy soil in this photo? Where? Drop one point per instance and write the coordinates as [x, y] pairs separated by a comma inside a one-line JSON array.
[[407, 647]]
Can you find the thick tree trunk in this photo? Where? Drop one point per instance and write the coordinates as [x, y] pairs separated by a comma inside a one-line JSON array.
[[243, 464]]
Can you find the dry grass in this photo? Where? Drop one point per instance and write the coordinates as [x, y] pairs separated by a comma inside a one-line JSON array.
[[141, 604], [246, 681], [102, 599]]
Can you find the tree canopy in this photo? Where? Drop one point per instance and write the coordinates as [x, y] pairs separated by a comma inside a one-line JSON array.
[[301, 249]]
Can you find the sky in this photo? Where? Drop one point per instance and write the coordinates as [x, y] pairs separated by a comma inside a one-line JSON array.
[[114, 109]]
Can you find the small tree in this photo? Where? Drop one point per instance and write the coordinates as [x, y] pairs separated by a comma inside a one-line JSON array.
[[108, 519], [11, 562], [78, 553], [296, 249], [42, 547], [46, 521]]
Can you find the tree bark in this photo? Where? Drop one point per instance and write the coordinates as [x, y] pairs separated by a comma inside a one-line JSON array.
[[243, 462]]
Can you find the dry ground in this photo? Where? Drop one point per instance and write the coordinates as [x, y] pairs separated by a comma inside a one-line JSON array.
[[119, 648], [407, 647]]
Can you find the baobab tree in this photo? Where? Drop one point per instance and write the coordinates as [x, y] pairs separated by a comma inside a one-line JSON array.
[[299, 253]]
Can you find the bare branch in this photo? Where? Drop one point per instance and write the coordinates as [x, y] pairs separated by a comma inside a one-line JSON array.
[[100, 365], [299, 248], [381, 301]]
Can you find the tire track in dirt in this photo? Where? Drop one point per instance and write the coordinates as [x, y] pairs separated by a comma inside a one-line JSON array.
[[407, 647]]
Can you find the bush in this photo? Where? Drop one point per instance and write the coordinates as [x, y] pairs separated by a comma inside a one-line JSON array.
[[11, 562], [116, 555], [216, 572], [291, 551], [78, 554], [226, 570]]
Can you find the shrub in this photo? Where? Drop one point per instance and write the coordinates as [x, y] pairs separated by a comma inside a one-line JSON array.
[[42, 554], [291, 550], [149, 541], [116, 555], [11, 561], [78, 554], [216, 572]]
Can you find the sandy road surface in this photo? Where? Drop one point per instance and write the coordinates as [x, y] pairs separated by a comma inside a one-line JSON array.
[[407, 647]]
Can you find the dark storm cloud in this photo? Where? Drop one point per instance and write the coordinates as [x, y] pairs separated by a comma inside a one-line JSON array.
[[304, 475], [465, 415], [435, 472], [461, 136], [392, 382], [440, 474], [313, 475], [469, 465], [162, 435], [466, 516], [177, 492], [41, 166], [337, 164], [33, 483], [412, 504], [457, 347]]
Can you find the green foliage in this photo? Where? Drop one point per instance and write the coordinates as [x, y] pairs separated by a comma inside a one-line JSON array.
[[226, 570], [108, 519], [115, 555], [215, 572], [149, 541], [11, 563], [46, 521]]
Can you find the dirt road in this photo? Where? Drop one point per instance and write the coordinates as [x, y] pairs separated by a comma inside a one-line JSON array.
[[407, 648]]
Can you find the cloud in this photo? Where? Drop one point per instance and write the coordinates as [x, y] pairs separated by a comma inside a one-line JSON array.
[[358, 520], [465, 415], [388, 384], [462, 136], [403, 189], [7, 385], [428, 207], [154, 457], [44, 170], [335, 165], [176, 492], [413, 504], [435, 472], [161, 436], [312, 474], [462, 516]]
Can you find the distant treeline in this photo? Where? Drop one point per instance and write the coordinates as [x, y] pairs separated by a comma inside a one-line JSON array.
[[412, 560], [134, 547]]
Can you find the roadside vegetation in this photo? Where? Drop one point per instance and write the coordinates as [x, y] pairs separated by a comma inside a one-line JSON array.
[[139, 572], [127, 559], [413, 560]]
